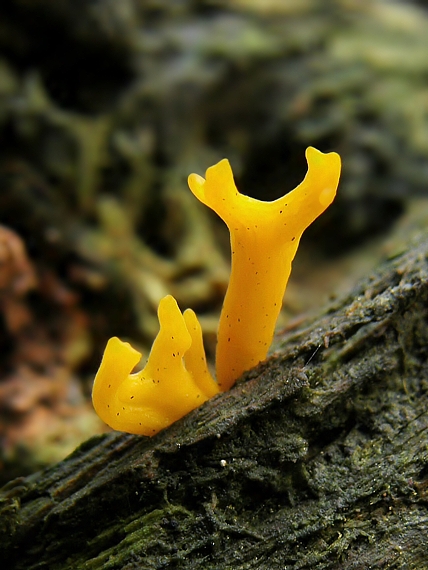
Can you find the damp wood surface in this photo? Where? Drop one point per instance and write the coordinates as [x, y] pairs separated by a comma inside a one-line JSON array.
[[317, 458]]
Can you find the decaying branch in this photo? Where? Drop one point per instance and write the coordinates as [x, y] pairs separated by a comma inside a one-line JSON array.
[[318, 458]]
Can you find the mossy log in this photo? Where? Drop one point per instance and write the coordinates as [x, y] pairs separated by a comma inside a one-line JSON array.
[[318, 458]]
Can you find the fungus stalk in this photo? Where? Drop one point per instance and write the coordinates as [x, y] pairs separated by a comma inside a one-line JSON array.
[[264, 239]]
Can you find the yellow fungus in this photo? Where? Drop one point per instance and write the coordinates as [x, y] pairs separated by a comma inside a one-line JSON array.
[[174, 381], [264, 239]]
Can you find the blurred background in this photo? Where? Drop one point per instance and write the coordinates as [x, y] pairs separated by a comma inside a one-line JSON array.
[[107, 106]]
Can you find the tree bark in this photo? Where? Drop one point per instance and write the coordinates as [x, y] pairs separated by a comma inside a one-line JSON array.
[[317, 458]]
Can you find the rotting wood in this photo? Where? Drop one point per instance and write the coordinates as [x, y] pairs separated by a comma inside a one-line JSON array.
[[317, 459]]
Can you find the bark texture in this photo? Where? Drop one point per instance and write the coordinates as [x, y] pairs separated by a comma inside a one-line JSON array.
[[317, 458]]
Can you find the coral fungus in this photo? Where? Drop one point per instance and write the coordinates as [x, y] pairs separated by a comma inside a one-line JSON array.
[[174, 381], [264, 239]]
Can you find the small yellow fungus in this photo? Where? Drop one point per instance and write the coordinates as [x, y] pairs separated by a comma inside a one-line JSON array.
[[264, 240], [174, 381]]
